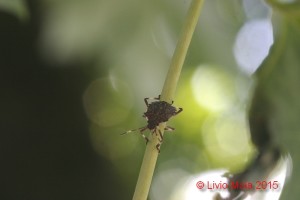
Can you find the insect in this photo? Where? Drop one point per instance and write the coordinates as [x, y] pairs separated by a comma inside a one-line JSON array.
[[157, 112]]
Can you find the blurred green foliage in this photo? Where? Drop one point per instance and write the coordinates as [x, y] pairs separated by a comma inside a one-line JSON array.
[[16, 7], [124, 49], [277, 102]]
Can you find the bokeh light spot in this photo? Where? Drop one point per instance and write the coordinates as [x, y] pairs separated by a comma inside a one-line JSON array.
[[226, 140], [212, 88], [108, 101], [165, 182], [252, 44]]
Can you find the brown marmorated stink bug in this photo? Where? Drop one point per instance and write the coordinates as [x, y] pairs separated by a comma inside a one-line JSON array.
[[157, 112]]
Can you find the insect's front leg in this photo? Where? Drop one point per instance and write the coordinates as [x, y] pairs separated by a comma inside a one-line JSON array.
[[146, 100]]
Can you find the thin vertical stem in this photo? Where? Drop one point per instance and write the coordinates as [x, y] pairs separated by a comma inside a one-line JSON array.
[[169, 88], [167, 94]]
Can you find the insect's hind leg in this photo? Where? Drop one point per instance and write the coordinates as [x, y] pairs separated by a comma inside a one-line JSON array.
[[169, 128], [160, 136]]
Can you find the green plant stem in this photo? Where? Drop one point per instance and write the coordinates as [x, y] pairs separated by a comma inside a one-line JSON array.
[[169, 88], [167, 94]]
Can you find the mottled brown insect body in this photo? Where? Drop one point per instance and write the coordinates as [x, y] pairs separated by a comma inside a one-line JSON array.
[[157, 112]]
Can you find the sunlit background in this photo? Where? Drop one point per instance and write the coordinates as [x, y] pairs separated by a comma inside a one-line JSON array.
[[73, 78]]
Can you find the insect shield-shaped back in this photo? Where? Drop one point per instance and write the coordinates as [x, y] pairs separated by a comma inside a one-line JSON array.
[[157, 112]]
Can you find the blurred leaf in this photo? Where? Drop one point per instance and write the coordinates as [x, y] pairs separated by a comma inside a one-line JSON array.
[[16, 7], [287, 7], [275, 110]]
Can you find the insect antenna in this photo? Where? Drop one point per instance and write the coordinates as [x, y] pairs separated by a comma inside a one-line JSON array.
[[129, 131]]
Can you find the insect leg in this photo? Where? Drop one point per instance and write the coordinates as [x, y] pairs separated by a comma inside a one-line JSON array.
[[169, 128], [144, 136], [129, 131], [179, 110], [161, 136], [158, 147], [146, 101], [160, 140], [155, 98]]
